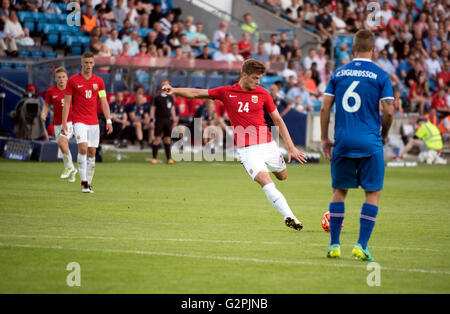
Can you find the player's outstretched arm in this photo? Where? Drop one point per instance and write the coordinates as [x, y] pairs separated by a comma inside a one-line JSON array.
[[186, 92], [292, 151], [388, 116], [325, 110]]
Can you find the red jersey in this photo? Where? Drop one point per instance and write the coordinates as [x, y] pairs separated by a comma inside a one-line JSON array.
[[184, 110], [55, 96], [245, 110], [85, 94]]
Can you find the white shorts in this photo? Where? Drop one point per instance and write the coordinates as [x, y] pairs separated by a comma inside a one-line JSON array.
[[87, 133], [261, 157], [69, 131]]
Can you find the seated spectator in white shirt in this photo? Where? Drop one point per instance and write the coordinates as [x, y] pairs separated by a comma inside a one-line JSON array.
[[133, 41], [272, 47], [14, 28], [384, 62], [222, 54], [382, 40], [220, 35], [433, 64], [289, 71], [235, 53], [309, 59], [114, 43]]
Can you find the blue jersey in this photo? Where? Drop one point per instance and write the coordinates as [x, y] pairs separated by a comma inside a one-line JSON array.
[[357, 88]]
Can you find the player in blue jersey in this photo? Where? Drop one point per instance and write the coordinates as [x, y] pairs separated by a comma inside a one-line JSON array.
[[356, 154]]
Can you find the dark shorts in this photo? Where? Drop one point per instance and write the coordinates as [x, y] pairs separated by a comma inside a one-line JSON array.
[[163, 127], [349, 173]]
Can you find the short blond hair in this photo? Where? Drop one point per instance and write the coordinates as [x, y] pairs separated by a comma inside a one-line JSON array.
[[60, 69]]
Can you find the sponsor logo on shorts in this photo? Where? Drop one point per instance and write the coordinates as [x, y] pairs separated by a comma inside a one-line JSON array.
[[251, 171]]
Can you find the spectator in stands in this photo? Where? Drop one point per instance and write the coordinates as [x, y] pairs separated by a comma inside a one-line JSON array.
[[285, 48], [439, 103], [88, 19], [342, 55], [184, 111], [301, 91], [133, 39], [156, 15], [235, 55], [173, 39], [95, 43], [13, 28], [384, 62], [143, 10], [260, 54], [245, 46], [443, 77], [297, 57], [166, 23], [385, 13], [294, 11], [249, 25], [178, 53], [120, 120], [382, 40], [105, 10], [205, 55], [189, 24], [114, 43], [325, 24], [120, 13], [31, 5], [8, 47], [289, 71], [126, 49], [199, 38], [132, 14], [272, 47], [185, 45], [221, 34], [282, 105], [431, 41], [126, 30], [433, 65], [395, 23], [4, 13], [309, 59], [222, 54], [419, 93], [339, 19]]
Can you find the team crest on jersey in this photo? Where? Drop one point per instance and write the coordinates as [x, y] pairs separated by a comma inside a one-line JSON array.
[[254, 99], [95, 86], [357, 64]]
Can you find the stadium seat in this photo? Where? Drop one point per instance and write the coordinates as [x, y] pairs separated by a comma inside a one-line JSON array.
[[269, 80], [30, 26], [178, 80], [198, 81], [50, 54], [215, 80]]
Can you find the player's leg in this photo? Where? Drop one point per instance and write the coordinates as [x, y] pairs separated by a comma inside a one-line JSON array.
[[343, 177], [371, 173], [69, 169], [167, 141], [274, 162], [139, 134], [93, 142], [81, 135], [414, 142], [157, 140]]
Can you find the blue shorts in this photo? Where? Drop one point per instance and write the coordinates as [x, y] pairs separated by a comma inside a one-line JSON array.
[[349, 173]]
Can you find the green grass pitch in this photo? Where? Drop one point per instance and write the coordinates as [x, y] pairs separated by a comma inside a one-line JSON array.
[[207, 228]]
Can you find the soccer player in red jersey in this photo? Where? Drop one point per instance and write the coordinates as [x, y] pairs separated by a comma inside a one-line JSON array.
[[55, 96], [245, 103], [83, 90]]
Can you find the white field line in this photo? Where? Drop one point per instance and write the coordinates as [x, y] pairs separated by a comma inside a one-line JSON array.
[[224, 258], [209, 241]]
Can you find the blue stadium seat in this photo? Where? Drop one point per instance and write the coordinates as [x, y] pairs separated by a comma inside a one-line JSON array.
[[178, 80], [215, 80], [5, 65], [30, 25], [269, 80], [198, 81], [50, 54]]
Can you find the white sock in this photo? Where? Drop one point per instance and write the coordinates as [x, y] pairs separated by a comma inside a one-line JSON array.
[[67, 159], [277, 199], [82, 165], [90, 169]]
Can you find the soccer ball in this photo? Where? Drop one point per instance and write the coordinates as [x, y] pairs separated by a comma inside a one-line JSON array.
[[325, 221]]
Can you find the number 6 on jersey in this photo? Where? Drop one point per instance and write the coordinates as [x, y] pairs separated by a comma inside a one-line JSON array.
[[350, 93]]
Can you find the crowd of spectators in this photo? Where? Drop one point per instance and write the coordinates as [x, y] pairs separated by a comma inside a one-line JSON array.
[[412, 43]]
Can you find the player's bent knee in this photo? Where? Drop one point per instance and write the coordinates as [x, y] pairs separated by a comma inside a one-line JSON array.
[[281, 175]]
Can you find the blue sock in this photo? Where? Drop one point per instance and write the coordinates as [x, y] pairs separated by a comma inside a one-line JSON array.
[[366, 223], [337, 210]]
